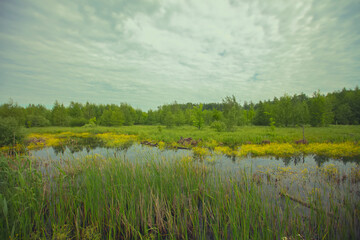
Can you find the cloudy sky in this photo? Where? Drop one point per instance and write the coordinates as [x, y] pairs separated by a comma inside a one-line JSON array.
[[152, 52]]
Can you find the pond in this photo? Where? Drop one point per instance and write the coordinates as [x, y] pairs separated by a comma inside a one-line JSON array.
[[304, 177], [305, 171], [137, 152]]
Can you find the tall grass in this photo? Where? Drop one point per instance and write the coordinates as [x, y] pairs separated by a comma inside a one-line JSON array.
[[113, 198]]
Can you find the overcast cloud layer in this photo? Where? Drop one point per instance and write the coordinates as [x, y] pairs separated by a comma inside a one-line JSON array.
[[148, 53]]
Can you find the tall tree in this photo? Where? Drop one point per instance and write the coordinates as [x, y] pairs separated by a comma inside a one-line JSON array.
[[320, 110], [198, 116], [129, 114], [231, 112], [75, 110], [14, 111], [261, 115], [59, 115]]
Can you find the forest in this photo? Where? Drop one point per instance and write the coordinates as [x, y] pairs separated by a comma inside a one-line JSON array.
[[339, 107]]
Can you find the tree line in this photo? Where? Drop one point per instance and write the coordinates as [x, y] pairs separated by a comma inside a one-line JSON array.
[[339, 107]]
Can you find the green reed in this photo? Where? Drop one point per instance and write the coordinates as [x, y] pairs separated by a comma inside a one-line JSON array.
[[113, 198]]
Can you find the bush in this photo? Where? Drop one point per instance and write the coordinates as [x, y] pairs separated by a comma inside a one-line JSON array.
[[36, 121], [78, 122], [9, 131], [218, 126], [89, 125]]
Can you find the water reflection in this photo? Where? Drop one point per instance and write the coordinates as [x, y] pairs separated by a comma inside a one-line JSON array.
[[75, 145], [293, 160], [318, 159], [87, 146]]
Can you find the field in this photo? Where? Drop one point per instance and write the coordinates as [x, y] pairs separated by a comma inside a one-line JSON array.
[[145, 192]]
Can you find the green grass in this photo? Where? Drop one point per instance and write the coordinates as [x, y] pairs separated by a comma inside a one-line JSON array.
[[112, 198], [254, 134]]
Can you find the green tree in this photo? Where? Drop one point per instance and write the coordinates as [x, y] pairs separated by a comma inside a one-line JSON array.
[[217, 115], [320, 110], [105, 119], [208, 117], [343, 114], [169, 119], [59, 115], [140, 117], [14, 111], [37, 116], [231, 112], [90, 111], [75, 110], [218, 126], [179, 118], [36, 121], [10, 131], [117, 118], [198, 116], [261, 115], [284, 111], [151, 117], [128, 113], [250, 114], [112, 118], [301, 113]]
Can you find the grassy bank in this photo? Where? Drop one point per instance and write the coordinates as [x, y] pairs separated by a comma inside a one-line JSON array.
[[112, 198], [253, 134], [333, 141]]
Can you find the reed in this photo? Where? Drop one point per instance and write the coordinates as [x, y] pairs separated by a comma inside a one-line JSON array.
[[113, 198]]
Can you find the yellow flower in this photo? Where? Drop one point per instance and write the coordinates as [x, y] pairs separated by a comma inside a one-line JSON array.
[[161, 145], [200, 151]]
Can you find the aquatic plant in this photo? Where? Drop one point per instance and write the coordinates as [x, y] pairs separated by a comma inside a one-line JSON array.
[[112, 198], [330, 171], [116, 140], [225, 150], [346, 149], [200, 151], [355, 174], [161, 145], [273, 149]]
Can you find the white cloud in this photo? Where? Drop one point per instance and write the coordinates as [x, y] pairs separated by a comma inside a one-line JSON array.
[[152, 52]]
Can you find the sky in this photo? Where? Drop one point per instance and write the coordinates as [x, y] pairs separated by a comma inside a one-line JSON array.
[[153, 52]]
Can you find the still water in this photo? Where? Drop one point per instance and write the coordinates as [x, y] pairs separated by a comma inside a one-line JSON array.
[[299, 176], [138, 152]]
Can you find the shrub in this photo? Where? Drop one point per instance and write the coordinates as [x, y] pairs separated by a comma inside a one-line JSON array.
[[78, 122], [218, 126], [9, 131], [36, 121]]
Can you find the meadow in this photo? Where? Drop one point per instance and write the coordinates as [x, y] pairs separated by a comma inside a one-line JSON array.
[[148, 193]]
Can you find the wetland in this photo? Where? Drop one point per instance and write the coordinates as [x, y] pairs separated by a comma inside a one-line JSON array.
[[114, 185]]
